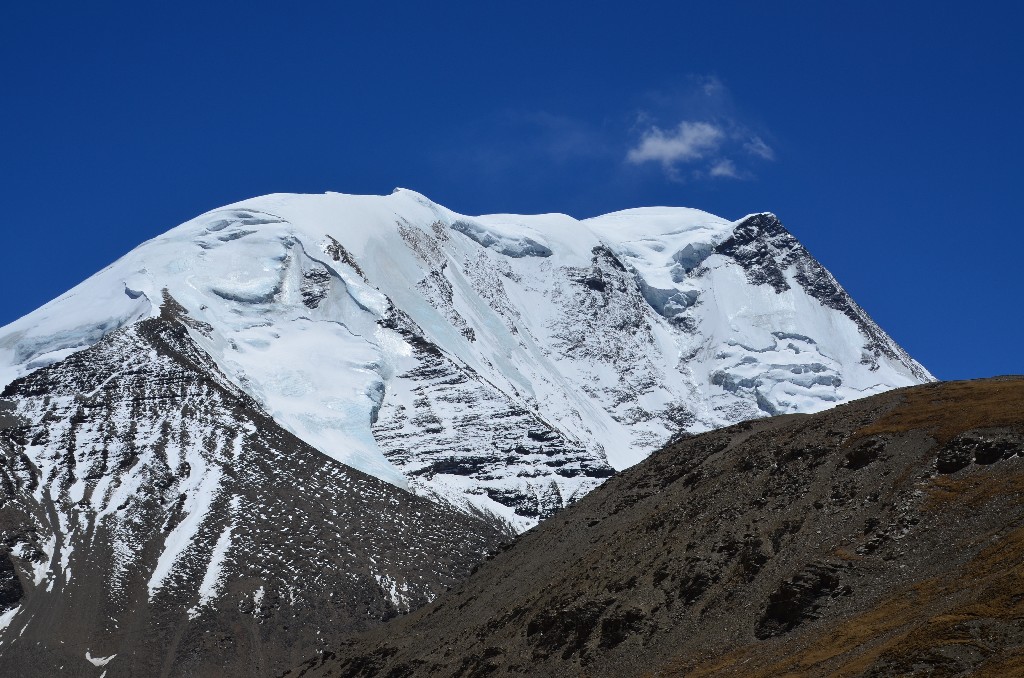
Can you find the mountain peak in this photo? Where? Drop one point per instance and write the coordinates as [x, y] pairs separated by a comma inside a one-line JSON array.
[[503, 363]]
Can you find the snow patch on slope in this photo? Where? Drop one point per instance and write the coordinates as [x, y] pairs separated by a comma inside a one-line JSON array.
[[98, 661], [213, 579], [199, 490], [8, 616]]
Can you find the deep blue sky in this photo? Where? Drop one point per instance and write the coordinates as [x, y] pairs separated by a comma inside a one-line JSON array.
[[886, 136]]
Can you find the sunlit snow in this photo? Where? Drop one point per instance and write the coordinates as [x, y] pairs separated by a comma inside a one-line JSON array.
[[615, 332]]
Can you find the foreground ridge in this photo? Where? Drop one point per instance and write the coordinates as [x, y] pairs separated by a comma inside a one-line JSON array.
[[883, 537]]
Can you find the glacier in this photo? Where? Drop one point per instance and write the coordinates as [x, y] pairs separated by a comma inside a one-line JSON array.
[[504, 364]]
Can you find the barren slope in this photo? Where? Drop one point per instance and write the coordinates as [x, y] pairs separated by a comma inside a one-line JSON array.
[[883, 537]]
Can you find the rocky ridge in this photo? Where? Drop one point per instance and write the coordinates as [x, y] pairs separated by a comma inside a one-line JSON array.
[[154, 520]]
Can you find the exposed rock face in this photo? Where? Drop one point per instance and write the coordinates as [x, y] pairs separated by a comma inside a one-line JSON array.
[[883, 537], [766, 251], [455, 437], [153, 512]]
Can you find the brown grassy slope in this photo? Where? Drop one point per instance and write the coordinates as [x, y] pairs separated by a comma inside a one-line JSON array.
[[976, 612], [947, 408], [883, 537]]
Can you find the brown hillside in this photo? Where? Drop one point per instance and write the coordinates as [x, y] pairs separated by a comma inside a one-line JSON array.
[[883, 537]]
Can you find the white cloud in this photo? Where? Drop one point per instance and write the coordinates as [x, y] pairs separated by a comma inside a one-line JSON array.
[[757, 146], [711, 141], [712, 150], [724, 168], [690, 141], [712, 86]]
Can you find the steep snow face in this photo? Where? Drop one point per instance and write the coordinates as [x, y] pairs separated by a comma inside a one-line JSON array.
[[503, 363]]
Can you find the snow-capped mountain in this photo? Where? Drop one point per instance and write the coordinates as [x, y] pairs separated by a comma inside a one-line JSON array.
[[206, 446], [504, 364]]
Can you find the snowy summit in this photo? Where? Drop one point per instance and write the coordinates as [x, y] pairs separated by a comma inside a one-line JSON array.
[[504, 364]]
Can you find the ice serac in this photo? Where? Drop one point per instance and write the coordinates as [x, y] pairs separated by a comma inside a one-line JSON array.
[[505, 364]]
